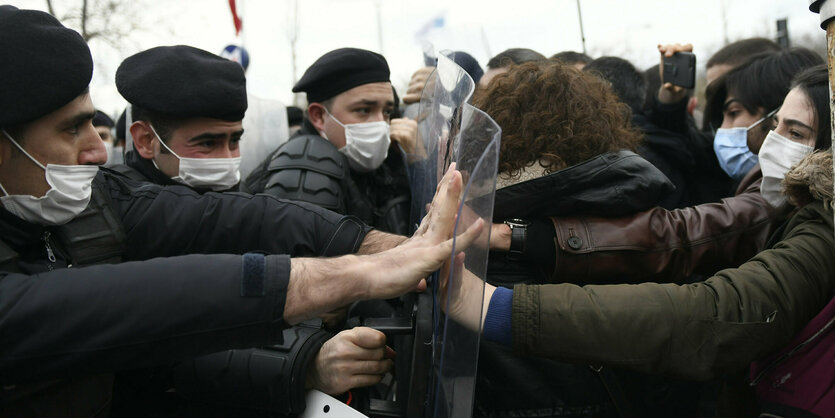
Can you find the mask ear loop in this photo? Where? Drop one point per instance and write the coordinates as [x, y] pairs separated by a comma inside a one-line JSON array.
[[163, 142], [22, 150], [332, 117], [768, 116]]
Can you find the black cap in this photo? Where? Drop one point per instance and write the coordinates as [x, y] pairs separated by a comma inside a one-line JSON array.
[[45, 65], [341, 70], [120, 125], [182, 81], [101, 119]]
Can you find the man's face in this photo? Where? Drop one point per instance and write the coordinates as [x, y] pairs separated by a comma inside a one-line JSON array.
[[372, 102], [65, 136], [104, 133], [196, 138]]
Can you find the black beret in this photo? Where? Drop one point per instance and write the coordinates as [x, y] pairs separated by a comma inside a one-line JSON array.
[[120, 125], [45, 65], [341, 70], [101, 119], [184, 82]]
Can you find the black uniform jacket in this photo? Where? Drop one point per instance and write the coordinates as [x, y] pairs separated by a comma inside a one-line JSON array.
[[184, 289]]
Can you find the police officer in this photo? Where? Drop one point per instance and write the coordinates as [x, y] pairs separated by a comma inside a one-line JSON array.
[[347, 155], [186, 110], [200, 150], [99, 273]]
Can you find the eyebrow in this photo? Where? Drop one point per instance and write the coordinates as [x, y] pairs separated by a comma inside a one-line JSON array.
[[214, 135], [796, 122], [79, 118], [372, 102], [730, 102]]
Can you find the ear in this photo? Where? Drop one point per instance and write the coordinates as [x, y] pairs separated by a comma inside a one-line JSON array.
[[143, 139], [316, 114]]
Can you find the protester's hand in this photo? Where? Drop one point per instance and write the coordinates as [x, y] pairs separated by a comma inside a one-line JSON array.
[[669, 93], [464, 297], [353, 358], [416, 85], [401, 269], [500, 235], [404, 132]]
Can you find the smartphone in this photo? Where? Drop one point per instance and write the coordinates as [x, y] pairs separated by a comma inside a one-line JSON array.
[[680, 69]]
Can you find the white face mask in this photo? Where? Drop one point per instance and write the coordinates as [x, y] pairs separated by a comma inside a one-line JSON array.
[[777, 156], [69, 194], [205, 173], [366, 144]]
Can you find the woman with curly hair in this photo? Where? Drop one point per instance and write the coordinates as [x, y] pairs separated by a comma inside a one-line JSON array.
[[553, 117], [567, 147]]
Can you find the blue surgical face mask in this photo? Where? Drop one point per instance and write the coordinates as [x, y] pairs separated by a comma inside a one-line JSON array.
[[731, 148]]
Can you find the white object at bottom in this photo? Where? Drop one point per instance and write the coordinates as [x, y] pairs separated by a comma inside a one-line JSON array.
[[323, 405]]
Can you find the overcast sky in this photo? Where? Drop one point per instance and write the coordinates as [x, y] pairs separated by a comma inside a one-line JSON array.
[[630, 29]]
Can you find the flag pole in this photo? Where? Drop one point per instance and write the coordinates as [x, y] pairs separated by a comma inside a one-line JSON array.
[[582, 32]]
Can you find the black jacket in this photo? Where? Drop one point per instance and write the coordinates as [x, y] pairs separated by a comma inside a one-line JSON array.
[[183, 290], [612, 184]]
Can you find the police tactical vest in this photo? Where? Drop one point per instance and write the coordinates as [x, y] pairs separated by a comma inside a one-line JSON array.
[[95, 236]]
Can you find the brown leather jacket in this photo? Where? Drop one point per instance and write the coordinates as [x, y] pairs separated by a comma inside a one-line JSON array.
[[666, 245]]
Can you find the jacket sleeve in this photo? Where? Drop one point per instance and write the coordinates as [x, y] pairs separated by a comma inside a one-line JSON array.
[[268, 379], [107, 318], [663, 245], [670, 116], [695, 331], [175, 220]]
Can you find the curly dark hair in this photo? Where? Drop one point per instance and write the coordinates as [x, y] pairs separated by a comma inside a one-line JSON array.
[[552, 112]]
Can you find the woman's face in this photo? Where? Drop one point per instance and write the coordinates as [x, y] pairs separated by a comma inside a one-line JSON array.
[[796, 118], [735, 115]]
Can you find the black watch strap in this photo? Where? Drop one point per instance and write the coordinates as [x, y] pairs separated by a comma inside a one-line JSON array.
[[518, 238]]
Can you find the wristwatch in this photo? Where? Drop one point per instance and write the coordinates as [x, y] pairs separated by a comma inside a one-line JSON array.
[[518, 238]]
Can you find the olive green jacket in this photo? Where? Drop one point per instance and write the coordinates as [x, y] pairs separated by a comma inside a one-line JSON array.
[[695, 331]]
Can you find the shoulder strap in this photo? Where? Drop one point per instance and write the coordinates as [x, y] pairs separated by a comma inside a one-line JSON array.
[[310, 169], [96, 236]]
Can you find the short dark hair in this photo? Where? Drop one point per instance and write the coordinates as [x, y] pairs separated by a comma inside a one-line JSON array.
[[628, 83], [761, 83], [738, 52], [814, 82], [513, 56], [571, 57], [163, 124]]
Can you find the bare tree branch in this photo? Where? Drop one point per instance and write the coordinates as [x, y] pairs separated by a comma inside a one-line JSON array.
[[49, 7]]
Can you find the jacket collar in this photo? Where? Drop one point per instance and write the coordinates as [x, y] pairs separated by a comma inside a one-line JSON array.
[[611, 184], [16, 232], [147, 169]]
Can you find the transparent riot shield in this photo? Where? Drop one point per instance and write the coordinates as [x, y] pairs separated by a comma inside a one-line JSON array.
[[451, 130]]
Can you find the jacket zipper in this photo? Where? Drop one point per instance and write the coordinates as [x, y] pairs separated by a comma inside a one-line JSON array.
[[50, 255], [791, 353]]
